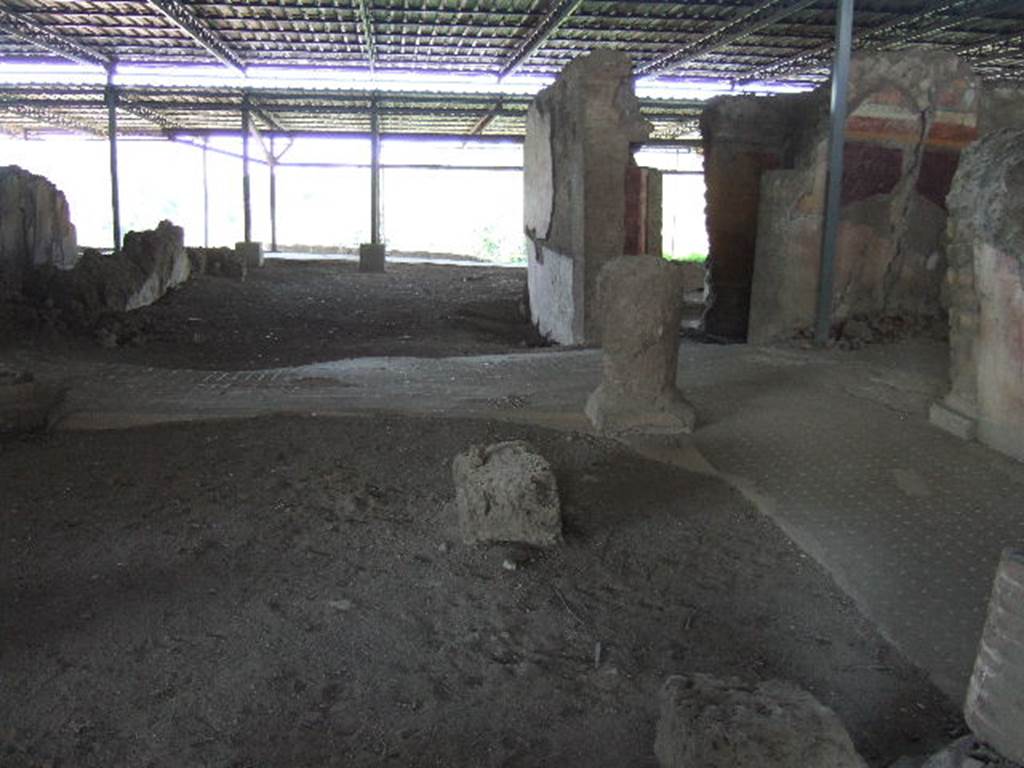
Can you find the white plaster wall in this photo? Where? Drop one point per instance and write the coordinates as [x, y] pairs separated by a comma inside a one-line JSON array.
[[550, 280], [1000, 350], [538, 181]]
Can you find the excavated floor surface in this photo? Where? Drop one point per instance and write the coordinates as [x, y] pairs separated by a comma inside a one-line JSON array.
[[296, 312], [310, 545], [289, 591]]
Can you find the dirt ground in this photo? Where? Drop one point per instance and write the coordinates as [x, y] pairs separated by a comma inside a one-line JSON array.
[[297, 312], [291, 592]]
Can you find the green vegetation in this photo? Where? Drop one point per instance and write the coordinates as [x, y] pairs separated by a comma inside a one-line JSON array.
[[695, 256], [499, 246]]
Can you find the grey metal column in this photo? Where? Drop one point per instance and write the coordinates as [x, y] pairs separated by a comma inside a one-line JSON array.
[[115, 198], [272, 162], [836, 142], [206, 196], [246, 201], [374, 174]]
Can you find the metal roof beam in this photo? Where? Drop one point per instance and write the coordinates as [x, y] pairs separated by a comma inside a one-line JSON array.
[[271, 121], [559, 11], [731, 32], [975, 9], [992, 48], [182, 17], [791, 63], [17, 26], [257, 134], [145, 113], [182, 139], [53, 119], [366, 22], [487, 118]]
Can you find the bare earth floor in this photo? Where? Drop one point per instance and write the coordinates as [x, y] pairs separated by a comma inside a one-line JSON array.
[[296, 312], [289, 591]]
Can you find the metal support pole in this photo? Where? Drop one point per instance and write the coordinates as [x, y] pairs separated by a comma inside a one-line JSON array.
[[273, 197], [115, 199], [836, 143], [206, 196], [246, 201], [374, 174]]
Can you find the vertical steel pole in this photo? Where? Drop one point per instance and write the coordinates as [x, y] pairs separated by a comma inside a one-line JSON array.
[[374, 174], [273, 196], [246, 201], [836, 142], [206, 196], [115, 198]]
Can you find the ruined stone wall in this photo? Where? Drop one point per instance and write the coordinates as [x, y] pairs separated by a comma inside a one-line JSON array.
[[743, 137], [654, 187], [1002, 107], [643, 211], [577, 150], [35, 228], [986, 295], [910, 116], [149, 264]]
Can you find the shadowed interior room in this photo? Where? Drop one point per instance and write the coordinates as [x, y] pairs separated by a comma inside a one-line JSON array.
[[514, 383]]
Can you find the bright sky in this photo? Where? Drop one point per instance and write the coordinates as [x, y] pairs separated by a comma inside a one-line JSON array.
[[464, 212], [257, 77], [450, 211]]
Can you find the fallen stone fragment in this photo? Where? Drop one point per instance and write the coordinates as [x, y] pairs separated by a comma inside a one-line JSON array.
[[711, 723], [907, 762], [27, 405], [148, 265], [159, 255], [506, 492], [968, 752]]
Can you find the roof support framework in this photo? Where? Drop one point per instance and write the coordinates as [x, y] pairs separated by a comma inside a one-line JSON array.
[[559, 11], [724, 36], [21, 28], [182, 17]]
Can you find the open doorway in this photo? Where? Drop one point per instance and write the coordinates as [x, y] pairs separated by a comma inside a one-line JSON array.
[[684, 233]]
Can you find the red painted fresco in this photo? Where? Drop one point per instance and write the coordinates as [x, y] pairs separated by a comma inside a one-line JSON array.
[[936, 175], [869, 169]]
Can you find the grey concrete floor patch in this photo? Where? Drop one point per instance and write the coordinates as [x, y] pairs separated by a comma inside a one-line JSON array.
[[909, 520]]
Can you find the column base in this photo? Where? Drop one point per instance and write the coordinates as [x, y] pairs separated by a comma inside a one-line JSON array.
[[250, 253], [956, 420], [614, 413], [371, 257]]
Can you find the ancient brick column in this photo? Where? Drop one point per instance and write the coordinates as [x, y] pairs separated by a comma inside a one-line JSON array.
[[641, 299]]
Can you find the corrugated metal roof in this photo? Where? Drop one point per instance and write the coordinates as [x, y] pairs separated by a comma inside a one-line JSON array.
[[159, 111], [726, 41]]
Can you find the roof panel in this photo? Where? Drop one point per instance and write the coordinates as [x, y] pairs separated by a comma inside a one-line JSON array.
[[788, 40]]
